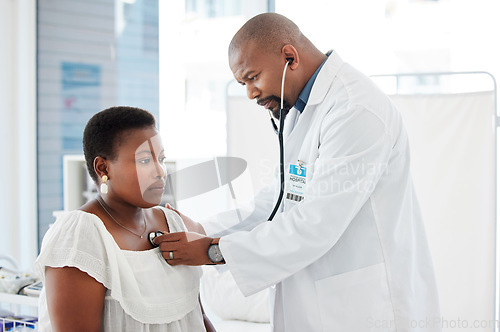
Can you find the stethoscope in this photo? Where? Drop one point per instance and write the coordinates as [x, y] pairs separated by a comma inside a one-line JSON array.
[[280, 139], [279, 132]]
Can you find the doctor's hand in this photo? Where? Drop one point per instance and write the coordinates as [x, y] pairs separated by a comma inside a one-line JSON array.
[[184, 248], [191, 225]]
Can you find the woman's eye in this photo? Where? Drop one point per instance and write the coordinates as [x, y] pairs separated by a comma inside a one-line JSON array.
[[144, 161], [163, 161]]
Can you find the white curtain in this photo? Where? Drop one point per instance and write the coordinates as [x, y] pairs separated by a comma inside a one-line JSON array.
[[453, 158], [18, 205]]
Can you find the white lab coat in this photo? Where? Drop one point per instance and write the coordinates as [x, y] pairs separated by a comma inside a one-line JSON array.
[[353, 255]]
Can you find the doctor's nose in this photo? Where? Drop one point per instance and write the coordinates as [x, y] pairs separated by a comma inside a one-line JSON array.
[[252, 92]]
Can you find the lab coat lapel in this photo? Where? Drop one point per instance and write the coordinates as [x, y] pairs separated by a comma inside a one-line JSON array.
[[324, 79], [297, 124], [318, 94], [290, 121]]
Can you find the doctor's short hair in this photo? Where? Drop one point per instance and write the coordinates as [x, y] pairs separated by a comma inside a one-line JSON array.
[[105, 129], [271, 31]]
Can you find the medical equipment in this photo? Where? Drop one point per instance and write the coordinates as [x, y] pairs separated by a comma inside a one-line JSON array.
[[34, 289], [280, 139], [14, 323], [11, 282], [152, 236]]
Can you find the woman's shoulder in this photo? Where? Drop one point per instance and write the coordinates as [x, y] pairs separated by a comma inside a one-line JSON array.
[[73, 220], [77, 239], [71, 228], [174, 221]]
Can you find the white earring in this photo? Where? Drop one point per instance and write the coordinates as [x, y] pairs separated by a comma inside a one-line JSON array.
[[104, 186]]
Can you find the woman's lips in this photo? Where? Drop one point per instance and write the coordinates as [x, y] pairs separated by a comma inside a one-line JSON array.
[[157, 187]]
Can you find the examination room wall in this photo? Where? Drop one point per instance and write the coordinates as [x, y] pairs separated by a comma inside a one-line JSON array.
[[389, 36]]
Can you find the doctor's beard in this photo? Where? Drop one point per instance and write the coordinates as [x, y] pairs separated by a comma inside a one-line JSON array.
[[276, 114]]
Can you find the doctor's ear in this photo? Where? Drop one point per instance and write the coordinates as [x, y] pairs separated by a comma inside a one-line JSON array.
[[100, 166], [291, 55]]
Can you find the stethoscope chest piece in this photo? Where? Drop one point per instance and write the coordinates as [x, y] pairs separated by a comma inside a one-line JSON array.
[[152, 236]]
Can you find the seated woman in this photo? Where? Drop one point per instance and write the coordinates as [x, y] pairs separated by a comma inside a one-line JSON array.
[[99, 269]]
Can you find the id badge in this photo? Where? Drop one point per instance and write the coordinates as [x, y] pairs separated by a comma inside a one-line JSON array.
[[296, 182]]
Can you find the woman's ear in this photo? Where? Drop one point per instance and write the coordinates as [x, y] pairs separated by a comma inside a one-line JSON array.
[[100, 166]]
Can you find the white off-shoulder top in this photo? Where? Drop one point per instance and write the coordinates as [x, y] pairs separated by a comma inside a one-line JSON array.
[[143, 292]]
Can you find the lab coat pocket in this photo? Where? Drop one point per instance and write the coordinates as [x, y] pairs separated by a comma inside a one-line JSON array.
[[356, 301]]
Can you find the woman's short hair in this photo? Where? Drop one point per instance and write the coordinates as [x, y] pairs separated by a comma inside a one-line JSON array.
[[105, 129]]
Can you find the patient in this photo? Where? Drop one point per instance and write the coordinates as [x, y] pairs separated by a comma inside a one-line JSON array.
[[99, 269]]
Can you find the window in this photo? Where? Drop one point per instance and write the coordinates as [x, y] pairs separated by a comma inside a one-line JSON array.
[[194, 72], [214, 8], [91, 55]]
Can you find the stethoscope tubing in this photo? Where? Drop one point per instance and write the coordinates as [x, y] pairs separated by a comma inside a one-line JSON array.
[[282, 149]]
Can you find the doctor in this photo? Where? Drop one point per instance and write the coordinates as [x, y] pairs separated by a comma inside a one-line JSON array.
[[347, 250]]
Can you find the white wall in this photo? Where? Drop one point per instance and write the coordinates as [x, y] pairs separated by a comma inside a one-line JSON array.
[[389, 36], [18, 220], [192, 91]]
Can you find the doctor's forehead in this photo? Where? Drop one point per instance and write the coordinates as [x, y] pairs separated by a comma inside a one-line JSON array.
[[244, 58], [237, 60]]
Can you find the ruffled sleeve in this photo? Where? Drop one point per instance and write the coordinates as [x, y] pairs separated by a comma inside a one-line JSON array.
[[75, 240]]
